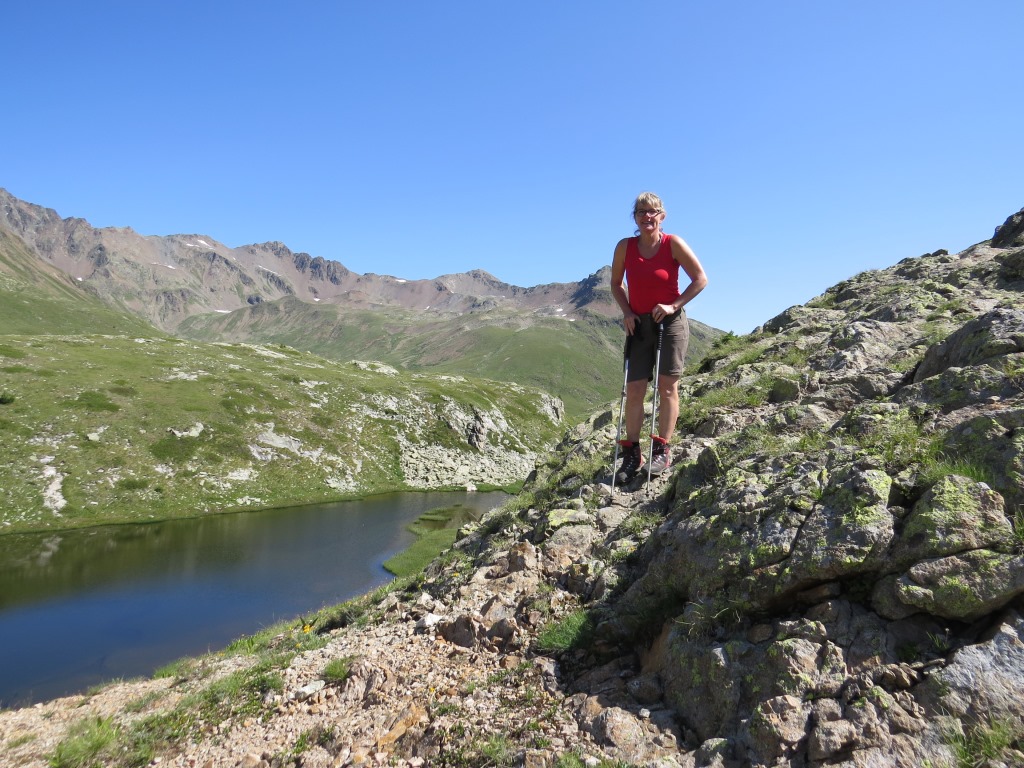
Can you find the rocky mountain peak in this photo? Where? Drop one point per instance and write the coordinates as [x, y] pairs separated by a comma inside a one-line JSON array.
[[1010, 234], [19, 216], [275, 247], [169, 279]]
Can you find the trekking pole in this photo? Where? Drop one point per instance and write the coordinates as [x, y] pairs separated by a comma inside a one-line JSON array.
[[654, 402], [622, 402]]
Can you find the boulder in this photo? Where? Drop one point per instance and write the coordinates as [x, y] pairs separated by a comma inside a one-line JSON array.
[[955, 515], [982, 681], [965, 586], [996, 333], [1010, 234]]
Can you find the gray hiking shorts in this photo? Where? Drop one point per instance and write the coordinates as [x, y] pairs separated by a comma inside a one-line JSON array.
[[642, 347]]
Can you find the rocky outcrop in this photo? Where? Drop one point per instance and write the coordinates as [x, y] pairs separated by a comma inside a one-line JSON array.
[[826, 589], [840, 553], [1010, 234]]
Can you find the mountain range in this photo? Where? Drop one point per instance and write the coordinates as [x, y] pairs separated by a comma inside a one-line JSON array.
[[562, 337]]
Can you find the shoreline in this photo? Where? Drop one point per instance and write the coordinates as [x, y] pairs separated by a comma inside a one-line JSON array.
[[430, 540], [485, 488], [448, 513]]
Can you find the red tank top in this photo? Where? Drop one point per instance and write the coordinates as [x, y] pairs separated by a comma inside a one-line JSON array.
[[651, 281]]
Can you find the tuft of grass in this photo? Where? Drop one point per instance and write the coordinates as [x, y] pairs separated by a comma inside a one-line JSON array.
[[642, 523], [934, 331], [827, 300], [508, 512], [694, 410], [725, 346], [514, 676], [20, 741], [949, 307], [899, 441], [302, 743], [359, 611], [572, 631], [88, 743], [179, 669], [12, 352], [758, 439], [132, 484], [148, 737], [1018, 530], [727, 343], [324, 735], [702, 616], [908, 653], [570, 760], [498, 750], [937, 465], [468, 750], [575, 760], [337, 670], [94, 401], [240, 693], [444, 708], [143, 702], [562, 475], [984, 744], [812, 442], [794, 356], [249, 645], [940, 643], [175, 449]]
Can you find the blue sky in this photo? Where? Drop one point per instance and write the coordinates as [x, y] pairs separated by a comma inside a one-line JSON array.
[[795, 143]]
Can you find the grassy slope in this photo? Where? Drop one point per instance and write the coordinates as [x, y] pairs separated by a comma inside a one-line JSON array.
[[97, 412], [579, 362]]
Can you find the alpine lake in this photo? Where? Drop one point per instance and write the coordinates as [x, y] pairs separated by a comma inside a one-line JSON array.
[[82, 607]]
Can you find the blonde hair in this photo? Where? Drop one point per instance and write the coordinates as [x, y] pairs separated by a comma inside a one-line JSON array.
[[647, 200]]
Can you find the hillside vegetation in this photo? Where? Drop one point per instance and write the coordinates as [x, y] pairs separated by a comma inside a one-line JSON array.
[[578, 360], [99, 428]]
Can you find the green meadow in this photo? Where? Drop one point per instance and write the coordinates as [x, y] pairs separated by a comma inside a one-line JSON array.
[[97, 429]]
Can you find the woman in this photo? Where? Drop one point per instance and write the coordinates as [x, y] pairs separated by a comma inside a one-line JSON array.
[[649, 265]]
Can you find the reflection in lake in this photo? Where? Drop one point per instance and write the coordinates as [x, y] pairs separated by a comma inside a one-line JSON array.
[[81, 607]]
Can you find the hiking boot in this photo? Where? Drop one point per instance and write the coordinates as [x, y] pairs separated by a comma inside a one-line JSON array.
[[661, 456], [632, 460]]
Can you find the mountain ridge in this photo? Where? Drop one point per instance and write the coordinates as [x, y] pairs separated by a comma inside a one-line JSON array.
[[93, 255]]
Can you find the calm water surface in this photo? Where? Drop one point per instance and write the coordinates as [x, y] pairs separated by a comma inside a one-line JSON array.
[[83, 607]]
